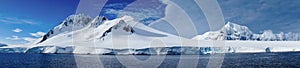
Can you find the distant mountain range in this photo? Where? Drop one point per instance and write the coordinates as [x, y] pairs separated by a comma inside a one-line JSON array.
[[232, 31]]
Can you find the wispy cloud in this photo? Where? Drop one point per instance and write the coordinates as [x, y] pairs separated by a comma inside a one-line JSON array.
[[142, 12], [17, 30], [121, 5], [142, 15], [26, 40], [13, 38], [37, 34], [12, 20], [29, 40]]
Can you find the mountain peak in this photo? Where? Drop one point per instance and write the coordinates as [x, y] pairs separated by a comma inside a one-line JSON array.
[[230, 31], [234, 31], [234, 28], [100, 24], [229, 24], [76, 20], [71, 23], [98, 21]]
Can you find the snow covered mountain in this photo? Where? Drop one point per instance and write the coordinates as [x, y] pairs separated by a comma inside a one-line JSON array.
[[72, 23], [87, 35], [232, 31], [81, 34]]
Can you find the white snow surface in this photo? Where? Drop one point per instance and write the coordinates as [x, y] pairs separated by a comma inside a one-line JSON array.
[[81, 34]]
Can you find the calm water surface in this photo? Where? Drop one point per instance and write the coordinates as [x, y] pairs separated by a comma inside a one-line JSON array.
[[286, 60]]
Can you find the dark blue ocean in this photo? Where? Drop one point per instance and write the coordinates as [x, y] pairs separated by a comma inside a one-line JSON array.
[[252, 60]]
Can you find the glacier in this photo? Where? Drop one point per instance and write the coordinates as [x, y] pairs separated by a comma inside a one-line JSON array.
[[231, 47], [81, 34]]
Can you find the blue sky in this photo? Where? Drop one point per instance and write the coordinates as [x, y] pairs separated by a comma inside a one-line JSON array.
[[20, 19], [259, 15], [32, 16]]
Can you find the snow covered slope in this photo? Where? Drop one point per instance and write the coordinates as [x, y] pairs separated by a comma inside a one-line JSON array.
[[82, 34], [87, 35], [72, 23]]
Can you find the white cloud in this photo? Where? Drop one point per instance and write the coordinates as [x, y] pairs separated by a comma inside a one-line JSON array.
[[37, 34], [13, 38], [15, 20], [146, 13], [29, 40], [17, 30], [141, 14], [116, 5]]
